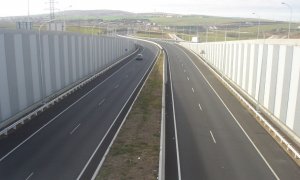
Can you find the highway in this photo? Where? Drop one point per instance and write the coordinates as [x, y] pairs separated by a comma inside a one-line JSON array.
[[216, 137], [68, 140]]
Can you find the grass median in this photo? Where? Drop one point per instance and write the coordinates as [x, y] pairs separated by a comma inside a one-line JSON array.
[[135, 152]]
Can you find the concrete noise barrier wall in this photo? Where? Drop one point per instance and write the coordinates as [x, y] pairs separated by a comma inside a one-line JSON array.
[[34, 67], [267, 70]]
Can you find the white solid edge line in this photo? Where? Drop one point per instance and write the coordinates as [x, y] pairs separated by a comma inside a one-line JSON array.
[[115, 136], [74, 129], [213, 137], [175, 127], [264, 159], [61, 113], [162, 152]]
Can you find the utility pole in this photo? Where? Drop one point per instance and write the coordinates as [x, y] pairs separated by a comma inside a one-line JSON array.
[[258, 25], [52, 9], [206, 34], [291, 14], [28, 11], [225, 35], [197, 33], [239, 36], [190, 33]]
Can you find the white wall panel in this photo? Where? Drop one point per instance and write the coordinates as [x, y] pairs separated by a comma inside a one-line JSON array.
[[4, 92], [20, 71], [46, 66], [239, 62], [66, 60], [294, 85], [281, 65], [35, 67], [80, 64], [73, 59], [247, 66], [259, 70], [252, 51], [57, 64], [235, 55], [268, 75], [244, 70]]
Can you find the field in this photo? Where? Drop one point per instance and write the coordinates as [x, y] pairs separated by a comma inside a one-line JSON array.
[[152, 34], [185, 26], [192, 20]]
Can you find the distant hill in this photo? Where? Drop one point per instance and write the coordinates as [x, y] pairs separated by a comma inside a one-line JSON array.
[[167, 19], [76, 15], [95, 13], [90, 14]]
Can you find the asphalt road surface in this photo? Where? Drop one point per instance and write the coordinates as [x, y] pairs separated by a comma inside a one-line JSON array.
[[59, 143], [217, 138]]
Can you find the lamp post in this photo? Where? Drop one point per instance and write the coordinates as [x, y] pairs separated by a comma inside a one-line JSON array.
[[291, 14], [41, 60], [258, 27], [93, 46], [216, 32], [225, 35], [239, 35], [28, 11], [197, 33], [162, 33], [99, 32], [64, 15], [206, 36], [190, 33]]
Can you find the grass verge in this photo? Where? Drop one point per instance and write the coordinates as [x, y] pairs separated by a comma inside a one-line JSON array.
[[135, 152], [152, 34]]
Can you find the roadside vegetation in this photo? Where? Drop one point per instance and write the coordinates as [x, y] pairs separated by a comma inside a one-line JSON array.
[[135, 152], [152, 34], [84, 30]]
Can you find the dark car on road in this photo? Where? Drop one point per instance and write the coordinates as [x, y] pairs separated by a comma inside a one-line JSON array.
[[139, 57]]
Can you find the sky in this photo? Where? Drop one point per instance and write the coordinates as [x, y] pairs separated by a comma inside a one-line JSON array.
[[266, 9]]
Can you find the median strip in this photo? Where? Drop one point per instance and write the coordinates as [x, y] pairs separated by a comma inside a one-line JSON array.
[[135, 152]]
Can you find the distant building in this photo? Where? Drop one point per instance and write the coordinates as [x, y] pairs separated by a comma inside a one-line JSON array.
[[56, 26], [24, 25], [195, 39]]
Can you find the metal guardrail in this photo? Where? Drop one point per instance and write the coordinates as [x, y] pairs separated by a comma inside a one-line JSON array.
[[252, 109], [162, 150], [59, 98]]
